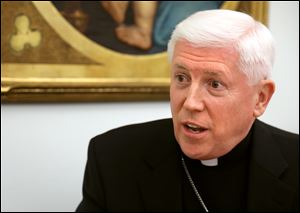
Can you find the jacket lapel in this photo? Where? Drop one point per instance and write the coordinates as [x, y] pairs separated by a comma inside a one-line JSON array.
[[266, 191], [160, 179]]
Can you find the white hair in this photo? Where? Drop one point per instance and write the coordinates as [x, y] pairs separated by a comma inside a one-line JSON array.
[[226, 28]]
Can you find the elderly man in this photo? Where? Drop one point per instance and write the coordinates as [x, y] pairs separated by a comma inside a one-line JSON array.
[[214, 154]]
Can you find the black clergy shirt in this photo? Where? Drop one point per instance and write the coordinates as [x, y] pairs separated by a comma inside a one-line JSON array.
[[222, 187]]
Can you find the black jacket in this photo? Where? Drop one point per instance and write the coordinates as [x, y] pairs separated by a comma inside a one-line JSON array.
[[138, 168]]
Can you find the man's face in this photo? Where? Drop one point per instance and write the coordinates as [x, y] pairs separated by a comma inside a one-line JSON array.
[[212, 104]]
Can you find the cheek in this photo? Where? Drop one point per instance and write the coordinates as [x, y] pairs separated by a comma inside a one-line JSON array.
[[229, 107], [234, 112], [176, 98]]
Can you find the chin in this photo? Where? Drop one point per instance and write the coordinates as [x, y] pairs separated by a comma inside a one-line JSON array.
[[193, 152]]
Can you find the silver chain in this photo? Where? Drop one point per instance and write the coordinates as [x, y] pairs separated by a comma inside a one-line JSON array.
[[193, 185]]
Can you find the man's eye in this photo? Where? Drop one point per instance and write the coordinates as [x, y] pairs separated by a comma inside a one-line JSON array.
[[216, 88], [216, 84], [181, 78]]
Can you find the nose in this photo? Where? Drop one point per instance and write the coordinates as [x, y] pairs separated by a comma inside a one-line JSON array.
[[194, 100]]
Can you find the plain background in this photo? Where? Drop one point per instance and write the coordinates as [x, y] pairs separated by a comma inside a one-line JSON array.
[[44, 146]]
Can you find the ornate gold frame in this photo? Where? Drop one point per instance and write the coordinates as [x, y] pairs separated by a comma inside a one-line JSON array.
[[93, 73]]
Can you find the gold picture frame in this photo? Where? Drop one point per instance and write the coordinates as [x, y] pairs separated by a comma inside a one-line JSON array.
[[52, 61]]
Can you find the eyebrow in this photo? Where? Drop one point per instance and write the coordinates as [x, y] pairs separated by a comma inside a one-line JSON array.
[[208, 72], [180, 66]]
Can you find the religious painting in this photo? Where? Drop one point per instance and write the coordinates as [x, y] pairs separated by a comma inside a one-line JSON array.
[[93, 50]]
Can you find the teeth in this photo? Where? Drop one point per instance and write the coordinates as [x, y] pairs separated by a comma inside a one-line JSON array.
[[193, 126]]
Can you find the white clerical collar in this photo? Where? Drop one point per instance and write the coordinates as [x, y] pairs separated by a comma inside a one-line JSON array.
[[210, 162]]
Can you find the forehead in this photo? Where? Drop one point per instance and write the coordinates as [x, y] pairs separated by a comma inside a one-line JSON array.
[[187, 53]]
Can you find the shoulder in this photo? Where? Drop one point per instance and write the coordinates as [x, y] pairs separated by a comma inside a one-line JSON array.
[[133, 132], [268, 137], [277, 134], [132, 139]]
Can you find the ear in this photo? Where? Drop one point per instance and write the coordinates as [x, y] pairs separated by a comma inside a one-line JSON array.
[[265, 91]]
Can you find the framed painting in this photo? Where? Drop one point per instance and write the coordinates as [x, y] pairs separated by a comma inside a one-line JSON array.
[[81, 51]]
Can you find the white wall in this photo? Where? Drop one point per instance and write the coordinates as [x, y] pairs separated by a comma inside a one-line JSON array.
[[283, 110], [43, 146], [43, 149]]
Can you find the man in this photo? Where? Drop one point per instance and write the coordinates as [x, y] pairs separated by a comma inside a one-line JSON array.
[[214, 155]]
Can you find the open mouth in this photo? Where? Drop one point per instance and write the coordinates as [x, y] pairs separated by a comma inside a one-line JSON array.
[[194, 128]]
